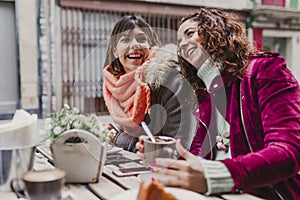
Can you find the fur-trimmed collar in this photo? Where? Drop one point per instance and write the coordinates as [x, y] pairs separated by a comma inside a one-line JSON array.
[[161, 64]]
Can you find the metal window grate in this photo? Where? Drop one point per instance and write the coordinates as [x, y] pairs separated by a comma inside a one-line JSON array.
[[84, 38]]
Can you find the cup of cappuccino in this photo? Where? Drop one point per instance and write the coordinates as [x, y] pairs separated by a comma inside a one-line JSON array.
[[41, 185], [163, 147]]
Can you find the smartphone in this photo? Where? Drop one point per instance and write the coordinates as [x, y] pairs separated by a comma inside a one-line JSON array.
[[116, 159], [130, 171]]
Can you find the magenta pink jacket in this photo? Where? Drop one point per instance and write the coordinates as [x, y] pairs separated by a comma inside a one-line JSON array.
[[266, 155]]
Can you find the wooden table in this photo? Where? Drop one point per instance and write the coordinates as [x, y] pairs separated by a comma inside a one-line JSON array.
[[108, 186]]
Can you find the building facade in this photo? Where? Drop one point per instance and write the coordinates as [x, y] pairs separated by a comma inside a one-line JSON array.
[[19, 57], [276, 27]]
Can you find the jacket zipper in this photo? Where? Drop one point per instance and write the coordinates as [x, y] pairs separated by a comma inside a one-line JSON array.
[[248, 142], [208, 133], [243, 122]]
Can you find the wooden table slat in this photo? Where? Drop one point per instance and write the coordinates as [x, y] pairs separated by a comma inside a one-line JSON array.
[[41, 162], [45, 150], [105, 188], [78, 192], [129, 182], [8, 196]]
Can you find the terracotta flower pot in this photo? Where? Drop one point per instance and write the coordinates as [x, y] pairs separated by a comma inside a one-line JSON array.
[[80, 154]]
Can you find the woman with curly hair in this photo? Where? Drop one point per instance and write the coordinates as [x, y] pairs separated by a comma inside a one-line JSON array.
[[249, 114]]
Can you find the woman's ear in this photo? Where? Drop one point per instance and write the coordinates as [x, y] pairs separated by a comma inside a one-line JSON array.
[[115, 52]]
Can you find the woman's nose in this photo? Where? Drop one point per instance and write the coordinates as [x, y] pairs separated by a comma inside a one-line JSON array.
[[183, 45], [135, 44]]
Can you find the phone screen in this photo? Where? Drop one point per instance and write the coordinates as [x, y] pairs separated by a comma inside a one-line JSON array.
[[116, 159], [134, 169]]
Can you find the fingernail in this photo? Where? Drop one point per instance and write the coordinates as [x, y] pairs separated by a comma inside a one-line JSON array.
[[141, 148], [152, 170], [179, 140], [154, 161], [153, 179]]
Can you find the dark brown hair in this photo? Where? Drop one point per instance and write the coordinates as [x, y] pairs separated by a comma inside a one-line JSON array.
[[128, 22], [224, 39]]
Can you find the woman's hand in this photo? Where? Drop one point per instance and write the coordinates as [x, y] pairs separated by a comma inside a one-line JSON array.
[[187, 174], [140, 149]]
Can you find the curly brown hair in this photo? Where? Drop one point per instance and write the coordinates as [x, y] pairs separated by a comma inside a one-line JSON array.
[[224, 39]]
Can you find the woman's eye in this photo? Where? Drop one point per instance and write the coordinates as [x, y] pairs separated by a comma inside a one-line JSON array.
[[190, 33], [125, 39], [141, 38]]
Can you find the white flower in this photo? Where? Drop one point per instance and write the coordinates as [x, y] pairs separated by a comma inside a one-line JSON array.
[[77, 124], [57, 130], [68, 118], [66, 106], [76, 110], [65, 121]]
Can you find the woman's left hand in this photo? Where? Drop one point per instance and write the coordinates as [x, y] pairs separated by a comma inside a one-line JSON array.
[[140, 149], [187, 174]]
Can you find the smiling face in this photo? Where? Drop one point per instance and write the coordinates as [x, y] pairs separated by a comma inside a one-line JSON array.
[[132, 49], [189, 43]]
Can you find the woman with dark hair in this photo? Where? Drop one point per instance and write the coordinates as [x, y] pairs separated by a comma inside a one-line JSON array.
[[142, 82], [248, 114]]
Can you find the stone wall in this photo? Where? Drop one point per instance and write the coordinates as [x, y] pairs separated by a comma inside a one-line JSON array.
[[28, 52]]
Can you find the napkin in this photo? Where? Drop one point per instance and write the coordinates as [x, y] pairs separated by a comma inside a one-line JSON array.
[[20, 132]]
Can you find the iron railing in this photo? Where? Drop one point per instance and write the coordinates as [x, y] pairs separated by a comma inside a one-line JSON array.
[[84, 38]]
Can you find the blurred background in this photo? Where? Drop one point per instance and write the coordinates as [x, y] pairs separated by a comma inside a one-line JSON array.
[[52, 51]]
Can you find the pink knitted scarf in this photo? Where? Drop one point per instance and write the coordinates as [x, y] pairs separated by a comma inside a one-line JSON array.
[[127, 97]]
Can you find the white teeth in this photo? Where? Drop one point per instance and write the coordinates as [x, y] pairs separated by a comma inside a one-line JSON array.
[[190, 51], [134, 56]]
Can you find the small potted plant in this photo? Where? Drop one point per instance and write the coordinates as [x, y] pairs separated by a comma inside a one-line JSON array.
[[78, 144]]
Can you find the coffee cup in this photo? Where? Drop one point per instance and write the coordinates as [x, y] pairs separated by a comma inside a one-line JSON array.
[[41, 185], [163, 147]]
